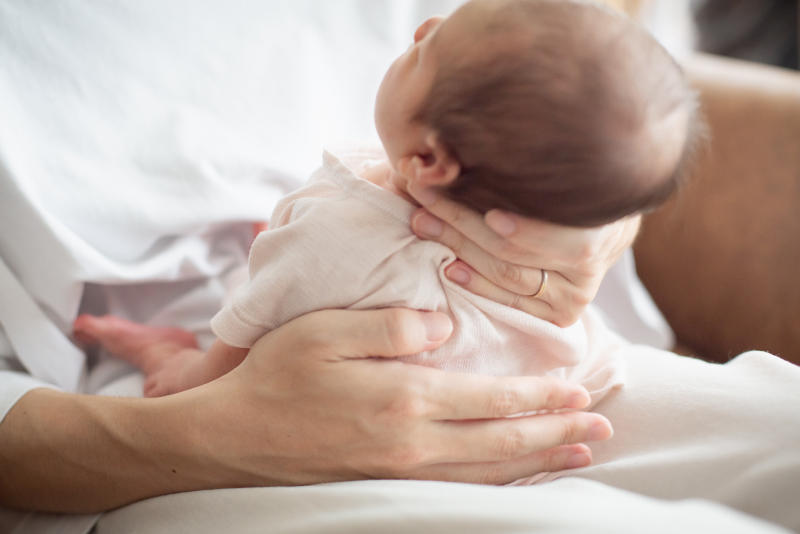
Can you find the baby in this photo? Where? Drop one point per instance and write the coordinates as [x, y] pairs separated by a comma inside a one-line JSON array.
[[554, 109]]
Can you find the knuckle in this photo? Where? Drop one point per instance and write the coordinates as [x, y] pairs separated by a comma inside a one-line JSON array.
[[553, 460], [570, 308], [397, 335], [455, 215], [492, 475], [510, 444], [581, 300], [587, 252], [406, 407], [505, 402], [510, 274], [508, 251], [579, 297], [551, 393], [404, 458], [517, 302], [564, 317], [456, 241], [568, 431], [394, 317], [317, 343]]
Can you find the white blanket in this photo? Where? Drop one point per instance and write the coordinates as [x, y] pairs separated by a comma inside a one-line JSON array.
[[409, 507]]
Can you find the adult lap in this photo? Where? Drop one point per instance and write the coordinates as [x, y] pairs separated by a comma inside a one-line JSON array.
[[414, 506], [685, 428]]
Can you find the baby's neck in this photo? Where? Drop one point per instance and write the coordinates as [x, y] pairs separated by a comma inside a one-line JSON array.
[[384, 176]]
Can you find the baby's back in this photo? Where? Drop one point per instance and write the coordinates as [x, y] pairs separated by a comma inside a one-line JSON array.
[[343, 242]]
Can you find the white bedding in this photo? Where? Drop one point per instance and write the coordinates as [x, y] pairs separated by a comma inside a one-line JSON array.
[[233, 101], [566, 506]]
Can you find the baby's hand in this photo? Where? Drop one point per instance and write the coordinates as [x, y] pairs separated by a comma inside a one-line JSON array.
[[504, 255]]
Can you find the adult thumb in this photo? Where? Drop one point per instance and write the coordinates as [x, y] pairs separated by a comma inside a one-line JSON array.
[[384, 333]]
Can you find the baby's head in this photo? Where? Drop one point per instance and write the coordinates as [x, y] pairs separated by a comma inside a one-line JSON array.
[[555, 109]]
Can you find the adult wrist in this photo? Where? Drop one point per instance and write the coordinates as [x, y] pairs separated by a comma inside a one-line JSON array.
[[195, 439], [63, 452]]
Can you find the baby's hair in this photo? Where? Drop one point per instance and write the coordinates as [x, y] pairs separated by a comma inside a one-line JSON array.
[[564, 111]]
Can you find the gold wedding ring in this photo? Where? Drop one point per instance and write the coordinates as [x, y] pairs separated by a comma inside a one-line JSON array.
[[541, 286]]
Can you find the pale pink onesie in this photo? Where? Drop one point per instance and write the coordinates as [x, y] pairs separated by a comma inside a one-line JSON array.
[[343, 242]]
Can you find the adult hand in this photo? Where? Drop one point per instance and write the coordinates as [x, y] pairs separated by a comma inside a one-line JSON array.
[[503, 255], [316, 400], [321, 399]]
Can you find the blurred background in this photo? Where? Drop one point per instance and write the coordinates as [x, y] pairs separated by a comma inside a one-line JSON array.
[[765, 31], [191, 86]]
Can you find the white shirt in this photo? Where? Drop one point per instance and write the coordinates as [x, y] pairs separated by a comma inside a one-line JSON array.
[[138, 139], [137, 142]]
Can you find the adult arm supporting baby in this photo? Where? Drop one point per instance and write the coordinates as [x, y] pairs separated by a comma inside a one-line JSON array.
[[744, 199], [306, 406]]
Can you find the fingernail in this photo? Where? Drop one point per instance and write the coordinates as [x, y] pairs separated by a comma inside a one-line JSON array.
[[437, 327], [600, 431], [500, 222], [458, 275], [428, 225], [580, 459]]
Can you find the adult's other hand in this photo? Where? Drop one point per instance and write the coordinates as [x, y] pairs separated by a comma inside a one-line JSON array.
[[503, 256]]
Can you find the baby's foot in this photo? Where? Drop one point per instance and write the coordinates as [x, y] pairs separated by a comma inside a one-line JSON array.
[[259, 227], [144, 346], [173, 374]]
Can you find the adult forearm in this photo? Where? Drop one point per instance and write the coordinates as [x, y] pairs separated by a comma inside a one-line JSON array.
[[726, 246], [78, 453]]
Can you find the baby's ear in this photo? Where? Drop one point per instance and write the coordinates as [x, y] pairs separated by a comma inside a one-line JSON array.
[[432, 167]]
